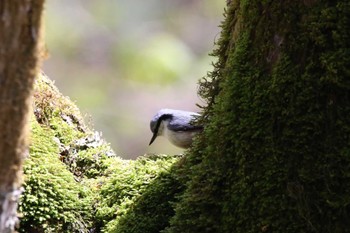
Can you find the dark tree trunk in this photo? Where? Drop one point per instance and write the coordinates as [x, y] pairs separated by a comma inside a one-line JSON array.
[[275, 153], [20, 38]]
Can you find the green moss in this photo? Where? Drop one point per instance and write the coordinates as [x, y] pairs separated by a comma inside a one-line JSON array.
[[53, 201], [63, 131], [138, 196], [74, 182], [49, 103], [278, 105], [274, 155], [63, 155], [81, 149]]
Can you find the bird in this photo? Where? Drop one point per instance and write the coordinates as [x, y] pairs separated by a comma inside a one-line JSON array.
[[176, 126]]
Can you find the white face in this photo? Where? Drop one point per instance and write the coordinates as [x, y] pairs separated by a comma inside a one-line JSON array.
[[161, 128]]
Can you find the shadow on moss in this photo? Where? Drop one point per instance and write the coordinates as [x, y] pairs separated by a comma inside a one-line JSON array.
[[140, 197]]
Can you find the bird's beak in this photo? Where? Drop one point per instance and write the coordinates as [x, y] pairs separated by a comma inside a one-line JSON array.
[[153, 138]]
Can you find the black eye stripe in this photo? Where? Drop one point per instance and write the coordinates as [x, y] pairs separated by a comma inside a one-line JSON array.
[[161, 118]]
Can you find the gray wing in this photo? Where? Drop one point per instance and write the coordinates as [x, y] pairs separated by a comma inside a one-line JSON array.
[[183, 124]]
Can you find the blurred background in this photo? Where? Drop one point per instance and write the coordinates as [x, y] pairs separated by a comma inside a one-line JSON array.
[[123, 60]]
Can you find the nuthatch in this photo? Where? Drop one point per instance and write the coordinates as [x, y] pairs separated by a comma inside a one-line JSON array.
[[176, 126]]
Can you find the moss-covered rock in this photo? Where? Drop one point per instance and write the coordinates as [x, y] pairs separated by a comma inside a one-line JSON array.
[[56, 197], [53, 200], [81, 149], [74, 182]]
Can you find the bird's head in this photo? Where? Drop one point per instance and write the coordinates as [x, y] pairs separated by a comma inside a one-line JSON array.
[[157, 124], [177, 122]]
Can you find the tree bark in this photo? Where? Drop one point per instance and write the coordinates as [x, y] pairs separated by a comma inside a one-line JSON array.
[[20, 43]]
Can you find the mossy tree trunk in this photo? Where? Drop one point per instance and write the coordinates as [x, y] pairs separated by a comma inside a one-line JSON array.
[[20, 37], [275, 153]]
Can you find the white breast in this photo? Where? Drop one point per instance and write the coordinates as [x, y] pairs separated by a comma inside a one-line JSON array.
[[181, 139]]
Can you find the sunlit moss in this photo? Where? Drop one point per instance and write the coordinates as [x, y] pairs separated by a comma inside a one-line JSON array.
[[53, 201], [63, 154], [74, 182]]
